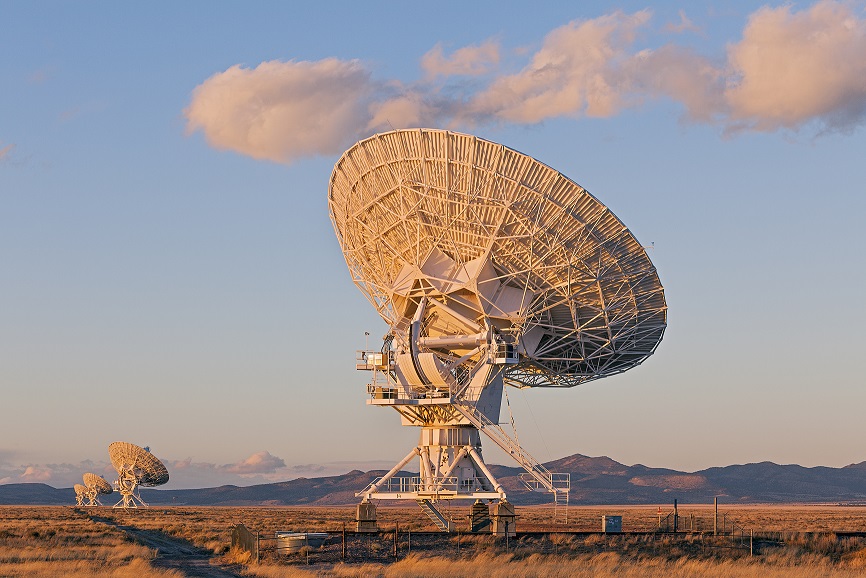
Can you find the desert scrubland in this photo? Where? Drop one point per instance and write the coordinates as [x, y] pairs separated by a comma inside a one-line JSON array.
[[68, 541], [57, 541]]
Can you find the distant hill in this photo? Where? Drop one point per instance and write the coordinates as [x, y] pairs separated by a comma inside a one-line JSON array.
[[598, 480]]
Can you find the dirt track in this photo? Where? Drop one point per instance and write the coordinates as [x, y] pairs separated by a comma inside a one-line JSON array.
[[174, 553]]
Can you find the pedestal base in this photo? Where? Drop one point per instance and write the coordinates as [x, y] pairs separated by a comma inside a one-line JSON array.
[[365, 517]]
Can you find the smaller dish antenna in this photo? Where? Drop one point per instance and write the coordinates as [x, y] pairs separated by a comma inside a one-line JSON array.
[[136, 467], [80, 494], [95, 486]]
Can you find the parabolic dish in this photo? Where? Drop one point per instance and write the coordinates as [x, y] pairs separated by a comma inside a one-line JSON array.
[[79, 489], [98, 483], [149, 471], [503, 240]]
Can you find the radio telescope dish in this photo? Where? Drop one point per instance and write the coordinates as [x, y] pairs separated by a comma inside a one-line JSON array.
[[135, 467], [490, 268], [80, 494], [95, 486]]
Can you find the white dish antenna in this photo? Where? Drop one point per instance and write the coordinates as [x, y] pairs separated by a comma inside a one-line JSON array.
[[95, 486], [490, 268], [80, 494], [136, 467]]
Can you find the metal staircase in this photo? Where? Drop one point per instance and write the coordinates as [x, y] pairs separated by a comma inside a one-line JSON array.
[[444, 524], [538, 478]]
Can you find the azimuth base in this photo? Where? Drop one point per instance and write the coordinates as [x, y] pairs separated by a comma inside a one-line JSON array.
[[450, 468], [127, 486]]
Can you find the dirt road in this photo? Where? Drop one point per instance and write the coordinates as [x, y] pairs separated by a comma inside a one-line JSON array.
[[174, 553]]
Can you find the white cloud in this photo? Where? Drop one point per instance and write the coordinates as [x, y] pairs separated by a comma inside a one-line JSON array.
[[794, 67], [789, 70], [680, 74], [282, 111], [258, 463], [466, 61], [576, 72], [61, 475], [36, 474], [259, 468]]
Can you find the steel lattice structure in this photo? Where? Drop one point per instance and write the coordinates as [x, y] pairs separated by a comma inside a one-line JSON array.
[[95, 486], [490, 268], [80, 494], [506, 238], [135, 466]]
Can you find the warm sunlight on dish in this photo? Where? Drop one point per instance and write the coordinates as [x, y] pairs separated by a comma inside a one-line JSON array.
[[490, 269]]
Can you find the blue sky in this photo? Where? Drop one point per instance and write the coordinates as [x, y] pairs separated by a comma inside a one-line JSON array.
[[170, 276]]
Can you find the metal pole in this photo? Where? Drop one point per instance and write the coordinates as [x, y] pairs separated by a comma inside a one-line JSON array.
[[396, 528], [716, 516], [676, 517], [257, 547], [506, 535], [409, 539], [343, 549]]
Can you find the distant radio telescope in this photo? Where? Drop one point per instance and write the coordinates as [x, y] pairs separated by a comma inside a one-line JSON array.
[[80, 494], [490, 269], [135, 467], [95, 486]]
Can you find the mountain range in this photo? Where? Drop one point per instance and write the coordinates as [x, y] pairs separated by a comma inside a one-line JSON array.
[[598, 480]]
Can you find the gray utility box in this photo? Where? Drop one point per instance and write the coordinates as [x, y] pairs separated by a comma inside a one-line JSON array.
[[611, 524]]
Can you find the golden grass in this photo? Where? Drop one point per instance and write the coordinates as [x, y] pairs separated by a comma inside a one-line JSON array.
[[208, 527], [604, 565], [58, 541]]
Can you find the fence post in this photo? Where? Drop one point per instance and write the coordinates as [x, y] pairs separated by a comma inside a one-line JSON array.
[[506, 535], [396, 528], [676, 517], [343, 550], [716, 516], [257, 547]]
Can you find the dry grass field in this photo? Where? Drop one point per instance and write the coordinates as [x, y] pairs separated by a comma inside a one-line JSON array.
[[57, 541], [66, 541]]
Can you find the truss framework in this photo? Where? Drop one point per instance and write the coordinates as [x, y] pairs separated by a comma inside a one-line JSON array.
[[491, 269], [136, 467], [501, 237], [95, 486], [80, 494]]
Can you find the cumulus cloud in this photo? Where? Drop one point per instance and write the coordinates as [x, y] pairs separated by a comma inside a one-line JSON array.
[[466, 61], [682, 75], [259, 468], [789, 70], [258, 463], [576, 72], [281, 111], [36, 474], [61, 475]]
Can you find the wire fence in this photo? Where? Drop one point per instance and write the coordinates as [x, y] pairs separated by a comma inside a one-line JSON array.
[[390, 545]]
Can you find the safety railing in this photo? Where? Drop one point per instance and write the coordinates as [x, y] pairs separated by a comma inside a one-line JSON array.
[[417, 485]]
